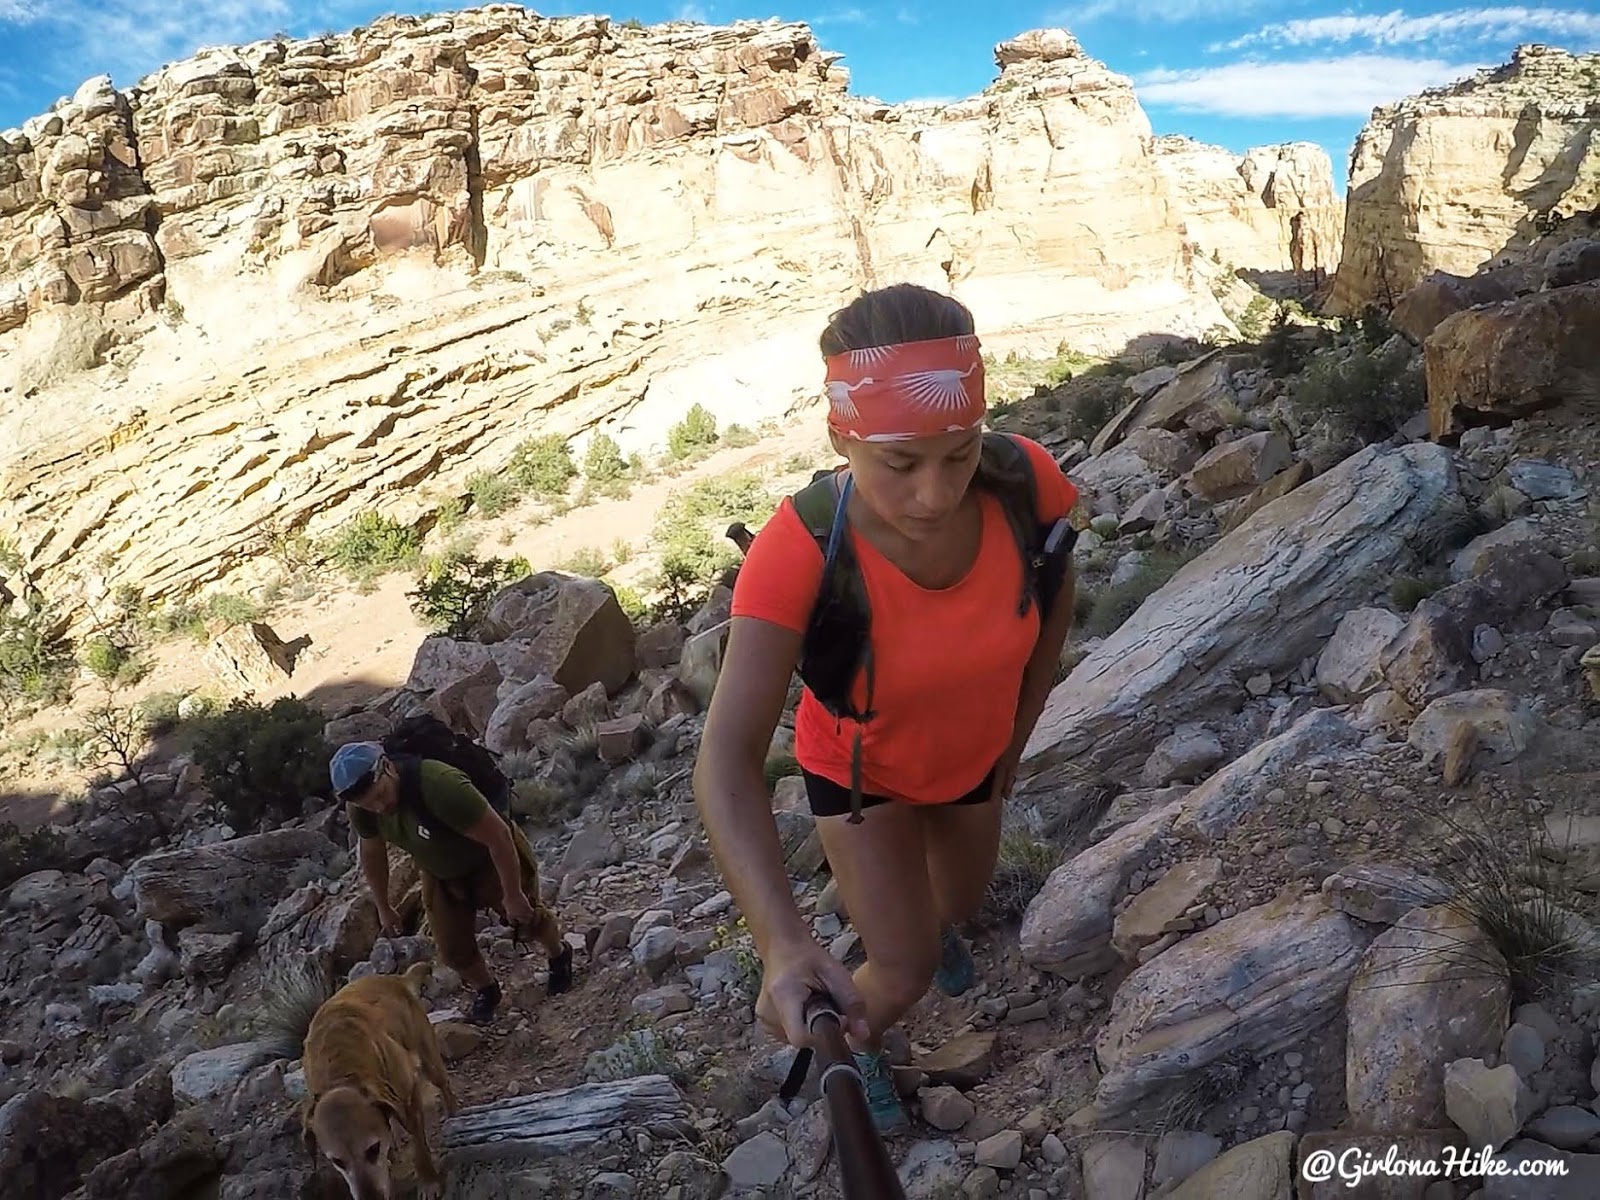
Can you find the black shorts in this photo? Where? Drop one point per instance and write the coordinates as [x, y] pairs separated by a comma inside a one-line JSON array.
[[829, 799]]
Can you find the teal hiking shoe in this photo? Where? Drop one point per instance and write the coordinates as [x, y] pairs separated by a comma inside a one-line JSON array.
[[883, 1101], [956, 968]]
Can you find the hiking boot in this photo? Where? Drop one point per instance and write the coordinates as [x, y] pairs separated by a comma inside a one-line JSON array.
[[883, 1100], [560, 971], [956, 968], [484, 1001]]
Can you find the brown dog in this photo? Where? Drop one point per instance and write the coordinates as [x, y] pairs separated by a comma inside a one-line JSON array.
[[367, 1052]]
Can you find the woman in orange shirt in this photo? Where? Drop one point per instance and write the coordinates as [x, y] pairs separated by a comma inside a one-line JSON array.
[[959, 677]]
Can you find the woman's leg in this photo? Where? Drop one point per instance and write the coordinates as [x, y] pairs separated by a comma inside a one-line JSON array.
[[962, 842], [882, 873]]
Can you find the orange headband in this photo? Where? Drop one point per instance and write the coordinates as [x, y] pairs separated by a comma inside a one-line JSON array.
[[910, 390]]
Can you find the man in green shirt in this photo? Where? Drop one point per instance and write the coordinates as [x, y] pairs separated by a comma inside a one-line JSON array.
[[470, 857]]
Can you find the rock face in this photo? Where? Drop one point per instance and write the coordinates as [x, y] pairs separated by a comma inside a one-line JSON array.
[[1274, 198], [1454, 178], [1261, 600], [1506, 360], [457, 231]]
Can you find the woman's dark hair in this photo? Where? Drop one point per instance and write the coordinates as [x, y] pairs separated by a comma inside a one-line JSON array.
[[902, 312]]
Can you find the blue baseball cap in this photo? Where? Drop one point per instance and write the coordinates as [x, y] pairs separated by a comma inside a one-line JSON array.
[[351, 762]]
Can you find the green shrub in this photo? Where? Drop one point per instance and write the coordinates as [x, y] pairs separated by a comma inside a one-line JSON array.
[[693, 435], [1408, 591], [632, 603], [262, 761], [492, 493], [10, 557], [1109, 607], [739, 437], [373, 543], [1256, 320], [453, 591], [1367, 395], [111, 660], [585, 560], [603, 461], [24, 851], [231, 609], [35, 662], [542, 465]]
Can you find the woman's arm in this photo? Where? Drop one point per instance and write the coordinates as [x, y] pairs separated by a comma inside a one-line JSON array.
[[730, 785], [1038, 677]]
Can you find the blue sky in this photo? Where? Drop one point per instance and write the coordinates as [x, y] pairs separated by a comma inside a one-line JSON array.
[[1235, 72]]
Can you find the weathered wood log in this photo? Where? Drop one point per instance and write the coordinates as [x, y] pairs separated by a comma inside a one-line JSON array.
[[226, 886], [563, 1121]]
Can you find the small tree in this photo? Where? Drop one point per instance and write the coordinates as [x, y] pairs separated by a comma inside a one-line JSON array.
[[116, 736], [262, 761], [695, 433], [453, 593]]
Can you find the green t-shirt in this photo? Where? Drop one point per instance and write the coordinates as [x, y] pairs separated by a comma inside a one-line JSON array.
[[444, 853]]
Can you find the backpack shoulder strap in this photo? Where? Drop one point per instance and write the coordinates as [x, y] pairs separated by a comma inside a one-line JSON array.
[[411, 798], [1005, 470]]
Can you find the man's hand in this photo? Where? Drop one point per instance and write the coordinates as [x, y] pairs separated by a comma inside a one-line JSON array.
[[388, 921], [519, 912]]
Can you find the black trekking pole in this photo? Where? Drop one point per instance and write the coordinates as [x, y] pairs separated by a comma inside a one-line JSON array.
[[864, 1166]]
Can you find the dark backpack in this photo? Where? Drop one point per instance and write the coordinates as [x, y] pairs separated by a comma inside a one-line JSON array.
[[425, 736], [837, 645]]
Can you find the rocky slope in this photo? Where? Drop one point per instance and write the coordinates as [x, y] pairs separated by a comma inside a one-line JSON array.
[[1272, 210], [1274, 807], [285, 282], [1458, 176]]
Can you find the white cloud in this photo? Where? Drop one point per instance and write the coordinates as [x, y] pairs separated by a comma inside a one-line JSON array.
[[1146, 11], [906, 16], [1457, 26], [18, 12], [842, 16], [691, 12], [1351, 86]]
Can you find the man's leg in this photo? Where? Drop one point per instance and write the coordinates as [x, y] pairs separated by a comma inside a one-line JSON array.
[[453, 922], [546, 928]]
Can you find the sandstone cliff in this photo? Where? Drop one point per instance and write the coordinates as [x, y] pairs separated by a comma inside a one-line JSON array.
[[1272, 210], [1456, 177], [278, 284]]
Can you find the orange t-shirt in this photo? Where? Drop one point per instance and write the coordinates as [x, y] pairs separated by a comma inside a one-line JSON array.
[[948, 662]]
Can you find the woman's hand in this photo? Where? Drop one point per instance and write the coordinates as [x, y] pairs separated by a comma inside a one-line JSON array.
[[792, 973], [1005, 774]]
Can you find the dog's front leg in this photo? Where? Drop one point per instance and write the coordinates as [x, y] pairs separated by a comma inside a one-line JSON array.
[[430, 1184]]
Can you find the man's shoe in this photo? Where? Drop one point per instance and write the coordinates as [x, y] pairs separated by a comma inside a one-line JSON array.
[[883, 1099], [484, 1002], [956, 968], [561, 971]]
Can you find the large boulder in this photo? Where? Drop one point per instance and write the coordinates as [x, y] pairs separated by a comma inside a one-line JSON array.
[[1420, 311], [1506, 360], [1430, 990], [227, 886], [577, 633], [1261, 601], [1256, 983], [1190, 397]]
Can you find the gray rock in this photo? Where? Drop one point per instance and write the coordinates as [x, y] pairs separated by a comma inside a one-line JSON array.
[[1185, 754], [1113, 1168], [1490, 1106], [1538, 480], [1261, 981], [1431, 989], [1566, 1126], [1380, 892], [1264, 598], [1476, 556], [1523, 1048], [1519, 1179], [1349, 667], [760, 1162]]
